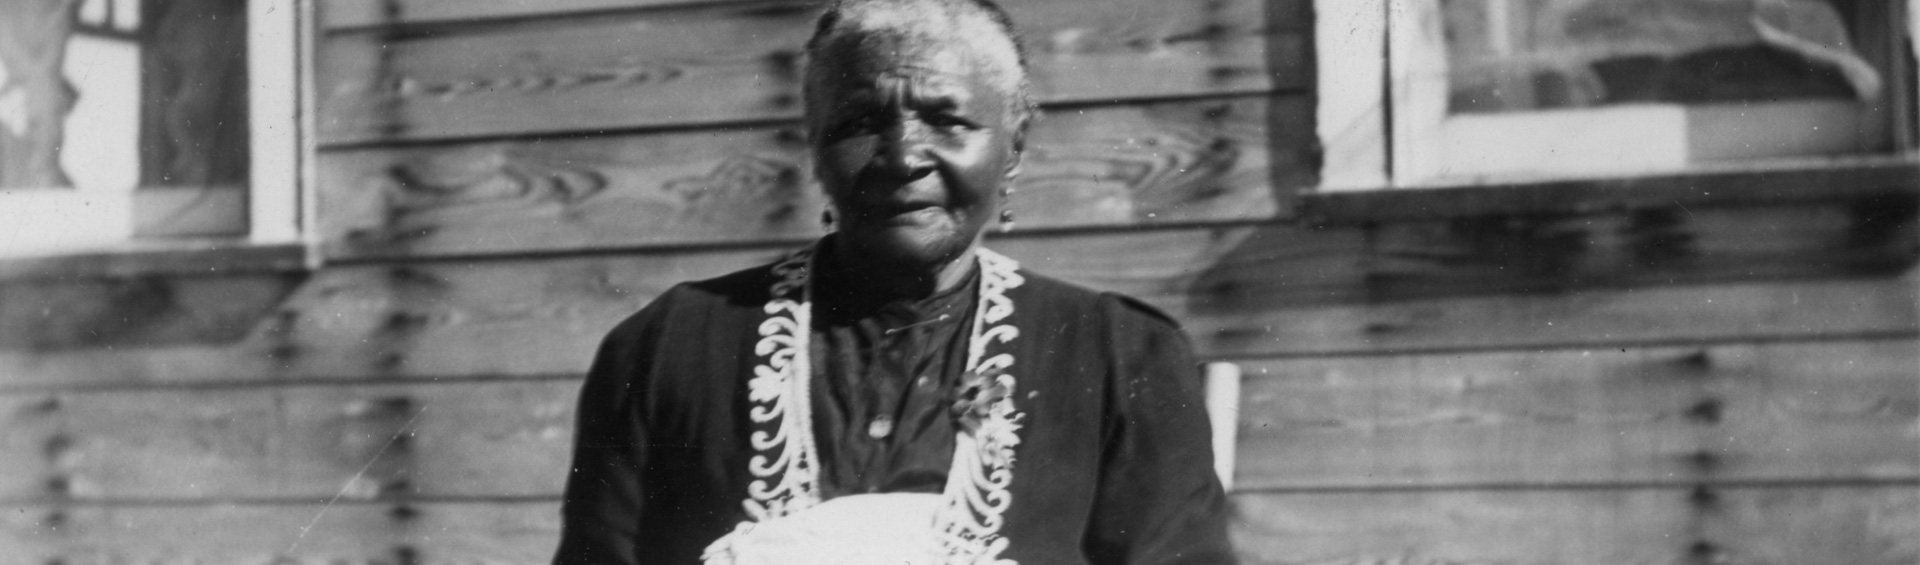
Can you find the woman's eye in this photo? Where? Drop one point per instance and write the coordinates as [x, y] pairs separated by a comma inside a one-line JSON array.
[[944, 120], [854, 126]]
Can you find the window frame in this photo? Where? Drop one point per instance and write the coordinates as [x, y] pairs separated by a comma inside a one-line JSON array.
[[268, 212], [1389, 141]]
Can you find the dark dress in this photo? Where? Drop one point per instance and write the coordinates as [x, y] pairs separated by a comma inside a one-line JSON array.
[[1114, 463]]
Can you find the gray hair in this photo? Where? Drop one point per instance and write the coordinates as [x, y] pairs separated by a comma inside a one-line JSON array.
[[981, 25]]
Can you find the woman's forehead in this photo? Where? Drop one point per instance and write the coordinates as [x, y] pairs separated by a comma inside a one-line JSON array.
[[930, 69], [876, 54]]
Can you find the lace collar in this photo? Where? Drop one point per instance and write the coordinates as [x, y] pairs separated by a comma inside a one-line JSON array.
[[785, 464]]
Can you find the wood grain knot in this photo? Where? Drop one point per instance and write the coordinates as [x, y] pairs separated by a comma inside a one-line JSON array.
[[401, 321], [785, 63], [395, 487], [1703, 497], [56, 445], [403, 276], [389, 361], [1382, 328], [406, 555], [1706, 411], [1226, 73], [1703, 461], [385, 406], [54, 520], [1706, 552], [403, 512], [46, 405], [283, 322], [283, 352], [1699, 360]]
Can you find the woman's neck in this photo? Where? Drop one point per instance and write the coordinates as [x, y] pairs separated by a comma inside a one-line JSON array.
[[887, 281]]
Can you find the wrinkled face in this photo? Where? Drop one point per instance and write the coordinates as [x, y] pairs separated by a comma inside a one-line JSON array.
[[912, 144]]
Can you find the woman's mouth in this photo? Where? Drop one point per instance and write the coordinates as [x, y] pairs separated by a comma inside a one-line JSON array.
[[891, 209]]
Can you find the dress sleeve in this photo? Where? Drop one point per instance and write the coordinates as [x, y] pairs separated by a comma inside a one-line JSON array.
[[600, 512], [1158, 501]]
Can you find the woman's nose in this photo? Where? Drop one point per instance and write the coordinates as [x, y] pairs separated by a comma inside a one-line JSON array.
[[904, 151]]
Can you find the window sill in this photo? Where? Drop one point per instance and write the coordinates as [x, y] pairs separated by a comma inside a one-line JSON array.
[[1770, 184], [212, 256]]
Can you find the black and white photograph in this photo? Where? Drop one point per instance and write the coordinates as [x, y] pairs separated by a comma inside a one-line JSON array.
[[959, 282]]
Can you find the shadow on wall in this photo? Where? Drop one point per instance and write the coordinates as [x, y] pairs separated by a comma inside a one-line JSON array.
[[146, 310]]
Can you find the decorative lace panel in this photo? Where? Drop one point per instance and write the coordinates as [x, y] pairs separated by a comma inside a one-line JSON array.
[[785, 465]]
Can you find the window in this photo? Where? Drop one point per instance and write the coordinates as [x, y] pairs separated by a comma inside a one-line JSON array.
[[130, 119], [1480, 91]]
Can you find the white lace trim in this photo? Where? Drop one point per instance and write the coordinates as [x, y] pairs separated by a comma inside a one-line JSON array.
[[786, 462], [977, 495]]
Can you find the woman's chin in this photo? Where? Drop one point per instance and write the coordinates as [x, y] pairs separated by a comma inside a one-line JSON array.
[[909, 244]]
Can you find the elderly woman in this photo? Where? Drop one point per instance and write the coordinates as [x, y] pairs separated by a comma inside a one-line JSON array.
[[896, 393]]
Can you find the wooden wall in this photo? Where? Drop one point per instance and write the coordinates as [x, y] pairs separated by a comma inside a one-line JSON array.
[[502, 181]]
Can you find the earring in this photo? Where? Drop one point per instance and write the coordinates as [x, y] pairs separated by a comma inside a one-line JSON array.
[[1006, 212], [826, 220]]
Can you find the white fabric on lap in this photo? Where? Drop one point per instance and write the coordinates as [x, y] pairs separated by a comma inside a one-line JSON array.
[[863, 529]]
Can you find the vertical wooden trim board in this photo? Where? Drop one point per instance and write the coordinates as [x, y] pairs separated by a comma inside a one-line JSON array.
[[275, 66], [1350, 42]]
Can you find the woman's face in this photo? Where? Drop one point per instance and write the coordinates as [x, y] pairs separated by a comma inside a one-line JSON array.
[[912, 144]]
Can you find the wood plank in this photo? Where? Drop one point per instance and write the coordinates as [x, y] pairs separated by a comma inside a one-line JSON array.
[[1587, 318], [357, 443], [301, 533], [1854, 525], [1242, 291], [1122, 165], [734, 63], [169, 258], [136, 310], [361, 322], [1741, 412], [1265, 266], [1893, 180], [350, 14], [1857, 525]]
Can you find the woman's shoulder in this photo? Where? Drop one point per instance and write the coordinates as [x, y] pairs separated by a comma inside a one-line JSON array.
[[1069, 296], [739, 293]]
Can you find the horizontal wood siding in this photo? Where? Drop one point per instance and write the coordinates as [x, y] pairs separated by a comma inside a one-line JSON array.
[[336, 15], [1242, 291], [305, 533], [1629, 526], [1647, 416], [733, 63], [1857, 525], [1129, 165], [1729, 414], [1461, 376], [357, 442]]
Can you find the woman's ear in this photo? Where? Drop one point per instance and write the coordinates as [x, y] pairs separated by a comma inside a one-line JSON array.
[[1019, 149]]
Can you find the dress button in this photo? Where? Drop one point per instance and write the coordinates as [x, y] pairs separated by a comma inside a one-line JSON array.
[[881, 427], [923, 382]]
